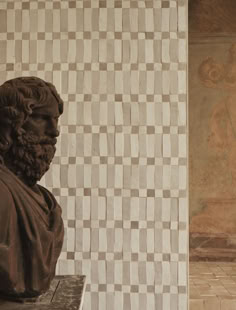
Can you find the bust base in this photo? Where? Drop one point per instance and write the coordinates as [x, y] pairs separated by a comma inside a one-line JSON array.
[[65, 293]]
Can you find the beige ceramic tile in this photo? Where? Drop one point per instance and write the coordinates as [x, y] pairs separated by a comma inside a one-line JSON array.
[[228, 305], [196, 304], [212, 304], [108, 67]]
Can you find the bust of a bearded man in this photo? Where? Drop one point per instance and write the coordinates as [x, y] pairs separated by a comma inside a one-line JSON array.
[[31, 227]]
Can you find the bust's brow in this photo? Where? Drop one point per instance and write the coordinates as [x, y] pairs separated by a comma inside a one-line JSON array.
[[45, 114]]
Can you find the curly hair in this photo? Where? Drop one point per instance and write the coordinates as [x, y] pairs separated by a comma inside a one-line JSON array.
[[19, 96]]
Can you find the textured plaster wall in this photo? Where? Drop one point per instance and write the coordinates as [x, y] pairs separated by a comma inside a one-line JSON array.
[[120, 171]]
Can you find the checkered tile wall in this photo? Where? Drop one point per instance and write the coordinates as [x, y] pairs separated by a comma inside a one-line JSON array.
[[120, 171]]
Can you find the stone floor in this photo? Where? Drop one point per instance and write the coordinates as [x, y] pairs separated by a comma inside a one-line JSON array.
[[212, 286]]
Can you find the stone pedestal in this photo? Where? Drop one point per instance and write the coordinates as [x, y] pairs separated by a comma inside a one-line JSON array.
[[65, 293]]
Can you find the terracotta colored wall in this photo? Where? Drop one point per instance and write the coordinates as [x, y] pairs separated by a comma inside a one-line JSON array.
[[212, 120], [120, 172]]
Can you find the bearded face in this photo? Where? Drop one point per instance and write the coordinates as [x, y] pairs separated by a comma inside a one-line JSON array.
[[30, 156]]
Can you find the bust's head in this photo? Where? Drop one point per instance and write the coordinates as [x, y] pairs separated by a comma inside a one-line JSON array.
[[29, 112]]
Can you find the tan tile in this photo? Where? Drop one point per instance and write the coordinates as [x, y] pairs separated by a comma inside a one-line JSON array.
[[227, 281], [222, 294], [203, 287], [208, 294], [200, 281], [228, 305], [196, 304], [210, 298], [211, 304], [227, 297], [231, 289], [195, 296]]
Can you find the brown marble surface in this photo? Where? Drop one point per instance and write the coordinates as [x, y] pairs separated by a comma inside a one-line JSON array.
[[212, 119], [65, 293], [212, 247], [212, 16], [213, 232]]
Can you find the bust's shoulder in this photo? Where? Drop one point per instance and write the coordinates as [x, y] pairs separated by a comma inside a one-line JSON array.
[[48, 196], [6, 198], [6, 176], [8, 186], [7, 182], [3, 184], [44, 190]]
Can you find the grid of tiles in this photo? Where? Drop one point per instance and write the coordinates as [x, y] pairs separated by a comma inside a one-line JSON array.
[[212, 286], [120, 171]]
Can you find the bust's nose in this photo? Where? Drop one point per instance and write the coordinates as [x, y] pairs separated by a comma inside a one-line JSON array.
[[54, 133], [52, 129]]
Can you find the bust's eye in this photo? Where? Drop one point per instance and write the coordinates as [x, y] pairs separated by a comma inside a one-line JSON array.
[[44, 118], [37, 117]]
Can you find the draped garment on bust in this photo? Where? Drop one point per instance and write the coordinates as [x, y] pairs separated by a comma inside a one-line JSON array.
[[31, 237]]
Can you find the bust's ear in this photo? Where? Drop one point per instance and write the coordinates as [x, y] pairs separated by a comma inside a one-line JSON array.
[[5, 137]]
